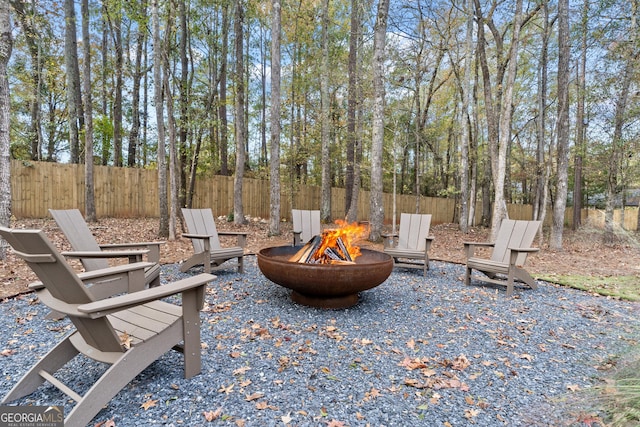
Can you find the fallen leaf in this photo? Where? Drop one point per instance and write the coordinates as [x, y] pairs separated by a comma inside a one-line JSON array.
[[125, 340], [149, 404], [253, 396], [212, 415], [286, 418]]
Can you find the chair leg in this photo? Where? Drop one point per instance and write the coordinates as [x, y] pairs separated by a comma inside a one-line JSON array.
[[467, 276], [510, 283], [125, 369], [56, 358], [241, 264]]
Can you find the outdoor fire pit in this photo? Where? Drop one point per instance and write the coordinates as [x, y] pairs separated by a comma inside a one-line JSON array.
[[324, 285]]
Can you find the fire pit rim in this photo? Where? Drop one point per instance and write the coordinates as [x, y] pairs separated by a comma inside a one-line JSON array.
[[310, 284]]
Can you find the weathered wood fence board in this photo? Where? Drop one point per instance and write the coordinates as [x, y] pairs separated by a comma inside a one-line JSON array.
[[132, 192]]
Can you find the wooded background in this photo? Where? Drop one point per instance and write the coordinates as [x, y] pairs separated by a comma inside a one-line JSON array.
[[131, 192], [516, 102]]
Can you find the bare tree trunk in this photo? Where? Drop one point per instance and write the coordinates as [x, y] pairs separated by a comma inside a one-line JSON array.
[[173, 152], [6, 45], [466, 115], [351, 107], [499, 202], [222, 110], [71, 62], [376, 202], [325, 198], [238, 209], [541, 167], [117, 103], [163, 230], [274, 161], [185, 96], [105, 148], [581, 122], [564, 55], [132, 148], [89, 194]]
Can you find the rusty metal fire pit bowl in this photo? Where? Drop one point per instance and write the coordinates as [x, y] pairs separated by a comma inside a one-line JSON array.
[[324, 285]]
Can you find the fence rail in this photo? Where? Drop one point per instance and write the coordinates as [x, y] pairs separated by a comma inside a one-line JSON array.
[[37, 187]]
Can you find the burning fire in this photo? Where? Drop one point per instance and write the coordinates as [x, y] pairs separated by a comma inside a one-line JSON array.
[[333, 246]]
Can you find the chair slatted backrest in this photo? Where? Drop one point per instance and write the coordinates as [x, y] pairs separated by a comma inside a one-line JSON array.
[[514, 234], [77, 232], [201, 221], [414, 228], [61, 281], [306, 221]]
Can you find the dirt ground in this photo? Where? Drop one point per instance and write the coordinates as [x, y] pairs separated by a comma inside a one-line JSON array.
[[583, 251]]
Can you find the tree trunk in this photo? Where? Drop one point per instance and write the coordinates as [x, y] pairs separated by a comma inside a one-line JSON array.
[[163, 230], [89, 194], [564, 55], [581, 122], [117, 102], [71, 63], [325, 198], [466, 115], [238, 209], [6, 45], [377, 139], [185, 96], [132, 148], [274, 161], [222, 110], [351, 107], [541, 167]]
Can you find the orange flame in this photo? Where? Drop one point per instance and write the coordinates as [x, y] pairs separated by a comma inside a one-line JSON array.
[[348, 233]]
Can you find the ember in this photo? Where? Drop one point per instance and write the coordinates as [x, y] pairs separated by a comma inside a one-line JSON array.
[[334, 246]]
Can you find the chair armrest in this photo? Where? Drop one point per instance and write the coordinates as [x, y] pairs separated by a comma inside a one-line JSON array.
[[388, 239], [241, 236], [122, 302], [197, 236], [469, 247], [133, 255], [152, 247], [105, 273], [478, 244], [515, 252], [88, 276], [528, 250]]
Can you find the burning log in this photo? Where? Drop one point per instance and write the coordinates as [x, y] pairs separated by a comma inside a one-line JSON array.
[[307, 251], [333, 246]]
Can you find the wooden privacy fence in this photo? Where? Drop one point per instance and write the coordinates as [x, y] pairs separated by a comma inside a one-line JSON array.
[[37, 187]]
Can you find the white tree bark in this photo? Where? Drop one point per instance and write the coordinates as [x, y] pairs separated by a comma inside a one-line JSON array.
[[274, 161], [376, 205], [6, 45]]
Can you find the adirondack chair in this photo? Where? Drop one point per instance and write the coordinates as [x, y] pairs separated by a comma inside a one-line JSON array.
[[410, 246], [306, 224], [205, 239], [509, 253], [125, 328], [94, 256]]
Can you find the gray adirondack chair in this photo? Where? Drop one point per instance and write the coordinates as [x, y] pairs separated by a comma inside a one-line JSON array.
[[94, 256], [508, 255], [410, 246], [306, 224], [126, 328], [207, 250]]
